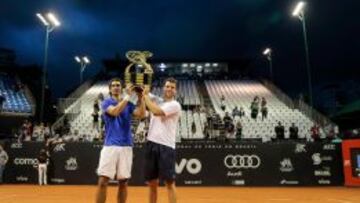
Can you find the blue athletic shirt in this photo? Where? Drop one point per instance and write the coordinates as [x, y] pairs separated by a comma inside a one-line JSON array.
[[118, 128]]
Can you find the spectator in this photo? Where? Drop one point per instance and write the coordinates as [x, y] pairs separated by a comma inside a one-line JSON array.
[[96, 106], [26, 130], [216, 124], [193, 129], [238, 130], [227, 119], [280, 131], [223, 107], [42, 167], [315, 132], [264, 109], [263, 102], [222, 103], [95, 122], [330, 130], [16, 134], [256, 100], [293, 131], [206, 131], [228, 125], [230, 131], [42, 132], [101, 97], [47, 131], [209, 116], [36, 131], [235, 112], [254, 109], [66, 126], [30, 128], [102, 122], [264, 112], [222, 98], [3, 160], [241, 112]]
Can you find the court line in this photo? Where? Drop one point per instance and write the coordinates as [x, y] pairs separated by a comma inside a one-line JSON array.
[[280, 199], [341, 201]]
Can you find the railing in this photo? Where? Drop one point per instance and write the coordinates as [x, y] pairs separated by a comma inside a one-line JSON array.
[[64, 103], [301, 105], [70, 107], [279, 94], [314, 114], [29, 95], [70, 114]]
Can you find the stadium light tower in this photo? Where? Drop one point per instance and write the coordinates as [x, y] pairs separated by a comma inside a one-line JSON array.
[[299, 13], [267, 52], [83, 61], [50, 22]]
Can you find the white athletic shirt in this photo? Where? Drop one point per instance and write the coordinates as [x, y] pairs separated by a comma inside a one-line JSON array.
[[162, 129]]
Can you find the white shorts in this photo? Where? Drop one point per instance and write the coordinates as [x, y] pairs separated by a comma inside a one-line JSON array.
[[115, 162]]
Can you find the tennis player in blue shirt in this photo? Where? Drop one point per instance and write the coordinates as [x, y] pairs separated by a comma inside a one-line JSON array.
[[117, 155]]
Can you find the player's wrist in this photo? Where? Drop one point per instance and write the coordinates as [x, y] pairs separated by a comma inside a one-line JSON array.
[[127, 97]]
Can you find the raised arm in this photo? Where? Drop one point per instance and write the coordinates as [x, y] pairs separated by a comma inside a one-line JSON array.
[[140, 110], [152, 106], [116, 110]]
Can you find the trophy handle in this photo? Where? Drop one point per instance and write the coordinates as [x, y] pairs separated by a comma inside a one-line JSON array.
[[139, 58]]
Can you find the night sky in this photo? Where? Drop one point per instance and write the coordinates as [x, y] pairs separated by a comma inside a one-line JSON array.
[[180, 29]]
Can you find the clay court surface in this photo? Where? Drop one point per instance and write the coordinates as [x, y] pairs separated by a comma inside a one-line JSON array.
[[85, 194]]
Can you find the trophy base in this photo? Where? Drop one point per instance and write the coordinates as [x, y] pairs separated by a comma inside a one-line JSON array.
[[138, 89]]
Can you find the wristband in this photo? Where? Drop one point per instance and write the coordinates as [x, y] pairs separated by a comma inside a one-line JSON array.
[[127, 97]]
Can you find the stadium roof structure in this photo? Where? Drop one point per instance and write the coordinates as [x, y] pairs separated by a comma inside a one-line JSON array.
[[349, 115]]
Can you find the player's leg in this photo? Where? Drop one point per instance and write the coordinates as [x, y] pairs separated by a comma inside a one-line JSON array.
[[122, 191], [170, 186], [152, 169], [167, 170], [45, 175], [41, 174], [101, 189], [106, 170], [124, 165], [153, 185]]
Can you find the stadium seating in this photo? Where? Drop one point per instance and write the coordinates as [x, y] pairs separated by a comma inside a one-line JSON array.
[[15, 102], [236, 93], [187, 88], [242, 93]]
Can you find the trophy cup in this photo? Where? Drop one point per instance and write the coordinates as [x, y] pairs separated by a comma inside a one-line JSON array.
[[138, 72]]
